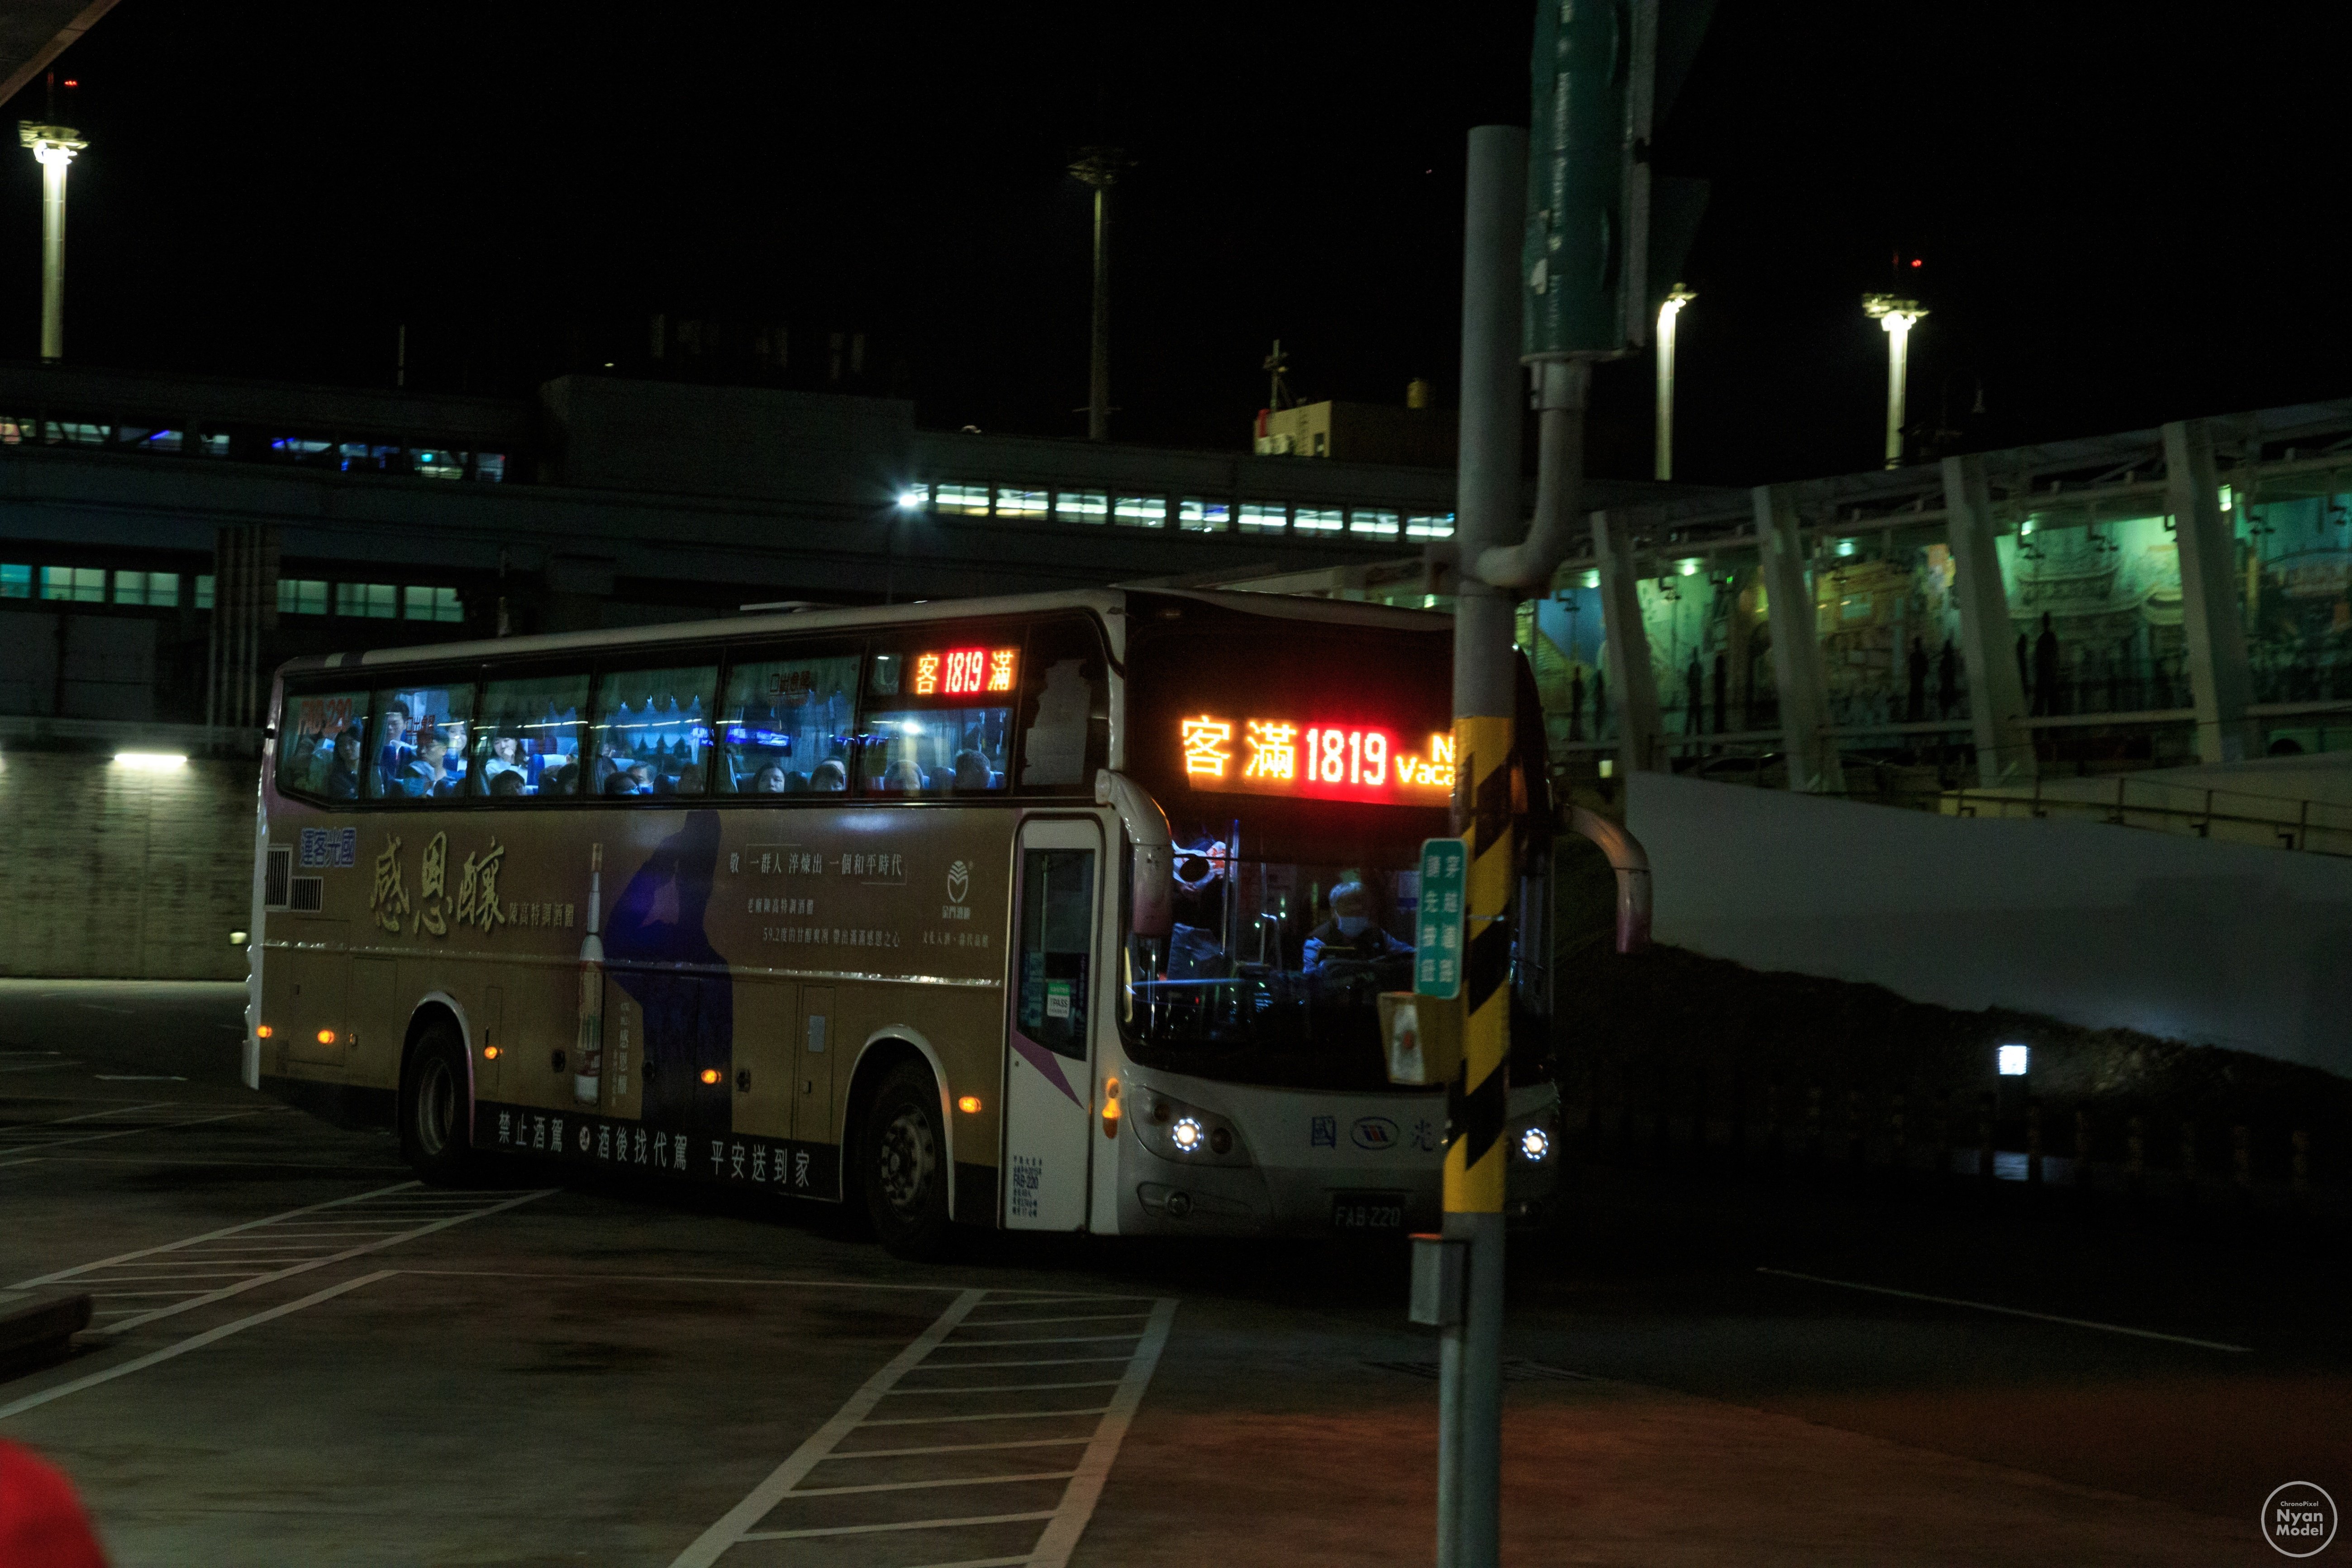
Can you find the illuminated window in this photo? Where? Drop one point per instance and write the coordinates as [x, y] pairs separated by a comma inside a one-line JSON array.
[[1260, 518], [374, 601], [1364, 521], [1321, 520], [1020, 503], [301, 596], [78, 585], [491, 466], [1195, 514], [1140, 511], [15, 581], [439, 463], [432, 603], [205, 592], [1428, 525], [960, 500], [1081, 505]]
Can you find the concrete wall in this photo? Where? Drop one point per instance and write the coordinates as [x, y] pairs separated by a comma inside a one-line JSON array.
[[115, 873], [2213, 943]]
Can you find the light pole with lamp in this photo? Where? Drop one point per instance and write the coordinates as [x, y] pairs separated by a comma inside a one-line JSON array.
[[1676, 298], [1898, 316], [53, 147]]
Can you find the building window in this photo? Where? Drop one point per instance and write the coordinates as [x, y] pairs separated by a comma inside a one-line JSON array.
[[1363, 519], [1430, 525], [961, 500], [433, 604], [205, 592], [1321, 520], [490, 467], [1196, 514], [78, 585], [301, 596], [1081, 505], [440, 463], [1020, 503], [15, 581], [1259, 518], [376, 601], [158, 589], [1140, 511]]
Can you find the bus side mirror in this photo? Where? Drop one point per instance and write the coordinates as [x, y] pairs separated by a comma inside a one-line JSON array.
[[1151, 853]]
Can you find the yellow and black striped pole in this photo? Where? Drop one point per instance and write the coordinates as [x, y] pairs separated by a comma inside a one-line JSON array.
[[1477, 1107]]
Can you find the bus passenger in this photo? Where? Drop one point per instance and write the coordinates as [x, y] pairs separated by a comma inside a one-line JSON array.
[[396, 753], [768, 780], [427, 772], [501, 760], [506, 783], [1352, 936], [973, 771], [903, 777], [830, 777], [343, 772]]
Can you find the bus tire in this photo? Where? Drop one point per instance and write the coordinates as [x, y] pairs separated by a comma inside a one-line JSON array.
[[435, 1120], [904, 1166]]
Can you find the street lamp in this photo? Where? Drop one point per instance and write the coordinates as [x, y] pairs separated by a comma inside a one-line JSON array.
[[1898, 317], [1675, 299], [1100, 167], [53, 147]]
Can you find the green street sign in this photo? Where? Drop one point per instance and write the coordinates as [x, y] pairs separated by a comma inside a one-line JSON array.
[[1445, 889]]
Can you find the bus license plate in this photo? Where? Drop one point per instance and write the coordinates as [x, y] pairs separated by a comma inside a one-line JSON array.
[[1368, 1211]]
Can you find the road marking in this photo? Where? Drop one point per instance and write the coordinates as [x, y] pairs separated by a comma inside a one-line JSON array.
[[2011, 1311], [1079, 1317], [138, 1077], [1054, 1340], [182, 1347], [188, 1262], [740, 1280], [1082, 1483], [121, 1133]]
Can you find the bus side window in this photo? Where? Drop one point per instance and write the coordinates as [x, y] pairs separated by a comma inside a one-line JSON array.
[[1065, 708], [527, 736], [652, 732], [321, 742], [785, 725], [420, 748], [937, 717]]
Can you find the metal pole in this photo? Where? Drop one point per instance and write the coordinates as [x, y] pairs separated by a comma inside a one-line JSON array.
[[53, 146], [1669, 316], [1098, 385], [1470, 1392], [1898, 370]]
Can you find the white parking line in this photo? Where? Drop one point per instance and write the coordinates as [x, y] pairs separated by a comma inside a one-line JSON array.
[[2011, 1311], [182, 1347], [1063, 1523], [189, 1261]]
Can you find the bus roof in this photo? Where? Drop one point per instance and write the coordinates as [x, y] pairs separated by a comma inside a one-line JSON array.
[[1104, 602]]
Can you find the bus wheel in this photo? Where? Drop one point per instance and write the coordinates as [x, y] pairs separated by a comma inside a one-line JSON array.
[[905, 1176], [435, 1132]]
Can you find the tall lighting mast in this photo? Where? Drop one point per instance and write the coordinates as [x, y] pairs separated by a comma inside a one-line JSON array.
[[53, 147], [1668, 314], [1100, 167], [1898, 316]]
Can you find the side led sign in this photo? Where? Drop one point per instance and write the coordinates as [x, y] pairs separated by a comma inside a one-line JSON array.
[[1313, 761], [964, 671]]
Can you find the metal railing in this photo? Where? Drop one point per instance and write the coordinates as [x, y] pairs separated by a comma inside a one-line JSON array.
[[2312, 826]]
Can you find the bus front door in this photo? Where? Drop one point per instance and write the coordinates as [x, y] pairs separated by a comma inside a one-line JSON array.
[[1048, 1069]]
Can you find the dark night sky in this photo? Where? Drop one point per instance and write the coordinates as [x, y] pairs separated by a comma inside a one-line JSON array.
[[2122, 220]]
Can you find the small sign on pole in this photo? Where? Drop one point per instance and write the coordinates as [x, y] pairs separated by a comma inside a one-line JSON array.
[[1437, 949]]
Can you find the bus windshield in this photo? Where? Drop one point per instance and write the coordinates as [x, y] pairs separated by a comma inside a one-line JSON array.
[[1273, 972]]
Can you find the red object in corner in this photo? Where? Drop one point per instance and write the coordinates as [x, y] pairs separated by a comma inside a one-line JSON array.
[[41, 1522]]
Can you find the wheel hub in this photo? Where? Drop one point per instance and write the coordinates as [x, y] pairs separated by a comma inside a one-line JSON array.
[[905, 1160]]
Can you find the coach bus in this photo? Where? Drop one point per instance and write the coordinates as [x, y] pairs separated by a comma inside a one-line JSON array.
[[1060, 913]]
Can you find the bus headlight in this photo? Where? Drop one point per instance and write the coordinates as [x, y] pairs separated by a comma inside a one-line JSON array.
[[1186, 1135], [1535, 1146]]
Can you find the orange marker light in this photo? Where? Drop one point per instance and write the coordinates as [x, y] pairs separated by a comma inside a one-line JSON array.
[[1110, 1107], [489, 1053], [710, 1075], [969, 1105], [263, 1032], [326, 1037]]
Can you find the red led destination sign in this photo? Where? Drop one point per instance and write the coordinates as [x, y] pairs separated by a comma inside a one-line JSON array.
[[965, 671], [1313, 761]]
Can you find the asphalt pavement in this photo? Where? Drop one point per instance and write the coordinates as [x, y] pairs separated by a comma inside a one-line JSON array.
[[300, 1355]]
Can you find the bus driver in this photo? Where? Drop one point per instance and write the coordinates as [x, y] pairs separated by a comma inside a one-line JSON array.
[[1352, 936]]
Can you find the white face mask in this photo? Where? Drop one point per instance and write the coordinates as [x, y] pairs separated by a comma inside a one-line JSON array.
[[1355, 925]]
